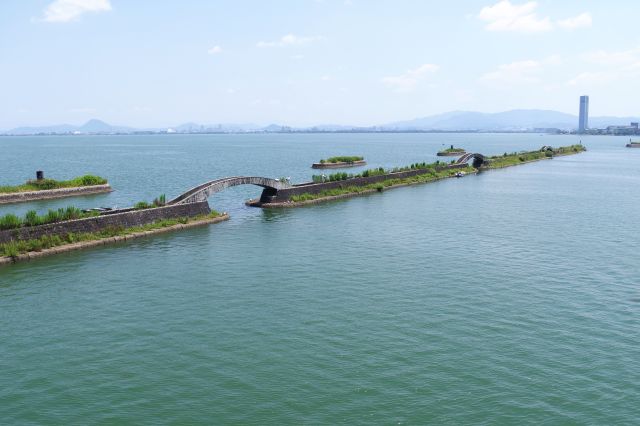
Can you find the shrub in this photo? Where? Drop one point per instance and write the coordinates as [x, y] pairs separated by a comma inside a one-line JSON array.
[[52, 216], [31, 218], [548, 154], [10, 221], [141, 205], [88, 180], [160, 201]]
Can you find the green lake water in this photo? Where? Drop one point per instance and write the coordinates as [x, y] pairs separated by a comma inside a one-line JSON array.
[[510, 297]]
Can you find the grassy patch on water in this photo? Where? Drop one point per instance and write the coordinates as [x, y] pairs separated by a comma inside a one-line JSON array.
[[14, 248], [44, 184]]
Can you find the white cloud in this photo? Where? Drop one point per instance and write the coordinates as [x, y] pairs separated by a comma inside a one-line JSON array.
[[504, 16], [71, 10], [290, 40], [214, 50], [628, 57], [519, 72], [408, 81], [515, 73], [325, 78], [610, 67], [590, 79], [581, 21]]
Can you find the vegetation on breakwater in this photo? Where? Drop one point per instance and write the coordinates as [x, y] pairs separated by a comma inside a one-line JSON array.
[[516, 158], [430, 174], [451, 151], [343, 159], [13, 249], [32, 218], [335, 177], [339, 162], [46, 184], [157, 202]]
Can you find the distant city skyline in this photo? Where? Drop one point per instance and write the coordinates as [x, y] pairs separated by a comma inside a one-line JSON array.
[[310, 62]]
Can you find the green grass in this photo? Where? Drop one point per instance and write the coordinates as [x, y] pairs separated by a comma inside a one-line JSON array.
[[44, 184], [342, 159], [31, 218], [515, 158], [157, 202], [430, 175], [452, 149], [14, 248]]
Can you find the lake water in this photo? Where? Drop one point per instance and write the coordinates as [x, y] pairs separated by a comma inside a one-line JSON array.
[[509, 297]]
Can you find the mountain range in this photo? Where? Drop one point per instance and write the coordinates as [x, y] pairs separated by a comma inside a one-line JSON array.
[[514, 120]]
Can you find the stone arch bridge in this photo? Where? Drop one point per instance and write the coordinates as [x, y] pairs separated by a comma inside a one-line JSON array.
[[204, 191], [478, 159]]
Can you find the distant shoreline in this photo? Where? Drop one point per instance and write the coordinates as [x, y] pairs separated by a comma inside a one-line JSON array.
[[302, 132]]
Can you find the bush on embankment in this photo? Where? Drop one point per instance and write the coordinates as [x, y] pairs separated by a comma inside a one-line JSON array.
[[45, 184]]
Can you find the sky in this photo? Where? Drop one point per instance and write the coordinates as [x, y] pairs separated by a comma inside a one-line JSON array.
[[149, 63]]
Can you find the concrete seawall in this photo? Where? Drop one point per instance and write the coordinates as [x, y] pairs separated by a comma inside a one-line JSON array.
[[48, 194], [125, 219]]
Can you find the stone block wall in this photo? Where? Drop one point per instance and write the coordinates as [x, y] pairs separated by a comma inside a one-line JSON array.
[[126, 219]]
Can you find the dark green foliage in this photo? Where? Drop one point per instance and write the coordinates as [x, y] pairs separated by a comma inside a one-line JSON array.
[[32, 218], [10, 221]]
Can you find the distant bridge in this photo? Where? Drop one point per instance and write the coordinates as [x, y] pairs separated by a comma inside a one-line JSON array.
[[478, 159], [204, 191]]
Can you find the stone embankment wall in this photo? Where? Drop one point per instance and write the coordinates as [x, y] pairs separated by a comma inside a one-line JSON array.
[[284, 195], [126, 219], [21, 197]]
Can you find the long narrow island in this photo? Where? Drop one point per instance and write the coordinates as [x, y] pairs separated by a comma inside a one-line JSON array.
[[46, 189]]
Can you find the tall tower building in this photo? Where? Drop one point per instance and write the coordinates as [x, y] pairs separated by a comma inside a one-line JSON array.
[[583, 121]]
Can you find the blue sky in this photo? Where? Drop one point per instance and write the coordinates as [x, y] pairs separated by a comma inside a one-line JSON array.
[[161, 63]]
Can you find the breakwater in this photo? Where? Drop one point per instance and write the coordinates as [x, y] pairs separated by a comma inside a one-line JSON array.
[[127, 218], [48, 194], [283, 196]]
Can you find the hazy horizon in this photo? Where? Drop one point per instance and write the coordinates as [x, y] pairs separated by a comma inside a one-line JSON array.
[[310, 62]]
